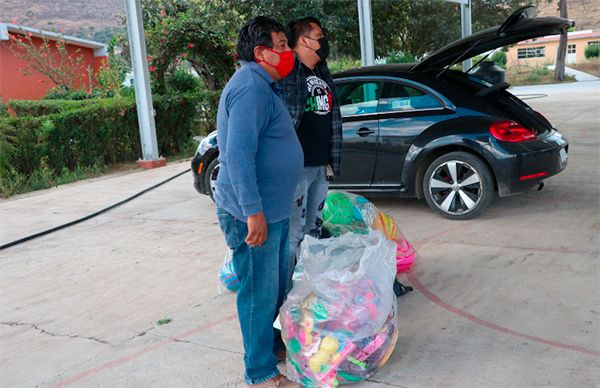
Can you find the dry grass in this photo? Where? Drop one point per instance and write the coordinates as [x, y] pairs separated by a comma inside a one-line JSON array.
[[591, 67], [528, 75]]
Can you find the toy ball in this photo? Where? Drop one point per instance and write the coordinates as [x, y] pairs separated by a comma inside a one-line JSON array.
[[228, 276], [386, 225], [341, 214]]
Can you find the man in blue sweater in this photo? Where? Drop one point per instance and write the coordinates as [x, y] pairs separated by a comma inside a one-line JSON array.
[[261, 163]]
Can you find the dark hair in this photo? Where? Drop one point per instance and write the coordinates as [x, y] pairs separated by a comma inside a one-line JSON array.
[[256, 32], [298, 28]]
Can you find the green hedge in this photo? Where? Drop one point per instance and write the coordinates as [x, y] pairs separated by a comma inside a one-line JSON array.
[[592, 51], [37, 108], [102, 131]]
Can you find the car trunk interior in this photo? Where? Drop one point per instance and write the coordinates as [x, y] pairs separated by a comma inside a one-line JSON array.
[[500, 103]]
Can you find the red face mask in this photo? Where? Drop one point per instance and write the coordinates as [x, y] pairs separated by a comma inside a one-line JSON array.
[[286, 62]]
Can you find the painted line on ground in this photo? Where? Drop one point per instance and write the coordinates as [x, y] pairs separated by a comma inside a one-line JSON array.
[[416, 283], [132, 356]]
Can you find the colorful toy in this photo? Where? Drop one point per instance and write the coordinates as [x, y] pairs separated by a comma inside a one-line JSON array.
[[405, 256], [339, 322], [341, 214], [386, 225]]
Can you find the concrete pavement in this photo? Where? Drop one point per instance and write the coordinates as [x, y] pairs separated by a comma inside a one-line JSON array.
[[510, 299], [580, 76]]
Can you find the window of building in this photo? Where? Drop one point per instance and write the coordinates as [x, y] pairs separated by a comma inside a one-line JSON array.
[[594, 43], [571, 49], [531, 52]]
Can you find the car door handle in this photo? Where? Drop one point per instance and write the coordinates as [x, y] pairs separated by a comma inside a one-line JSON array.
[[364, 131]]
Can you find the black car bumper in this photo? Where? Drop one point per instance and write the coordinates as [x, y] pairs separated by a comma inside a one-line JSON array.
[[522, 166], [199, 165]]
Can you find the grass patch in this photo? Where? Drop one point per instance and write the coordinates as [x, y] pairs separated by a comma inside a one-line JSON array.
[[14, 183], [163, 321], [527, 75]]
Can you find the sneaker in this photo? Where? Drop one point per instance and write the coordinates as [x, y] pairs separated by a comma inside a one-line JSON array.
[[277, 382]]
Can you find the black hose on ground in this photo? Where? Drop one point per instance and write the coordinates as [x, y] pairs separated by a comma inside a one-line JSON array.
[[90, 216]]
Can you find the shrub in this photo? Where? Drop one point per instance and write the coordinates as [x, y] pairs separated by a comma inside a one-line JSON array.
[[183, 82], [343, 64], [101, 133], [400, 57], [499, 58], [3, 109], [45, 107], [592, 51]]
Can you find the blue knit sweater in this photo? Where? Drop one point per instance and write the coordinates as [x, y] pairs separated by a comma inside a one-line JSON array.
[[260, 155]]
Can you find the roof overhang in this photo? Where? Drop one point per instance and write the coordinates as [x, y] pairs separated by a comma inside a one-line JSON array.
[[100, 49]]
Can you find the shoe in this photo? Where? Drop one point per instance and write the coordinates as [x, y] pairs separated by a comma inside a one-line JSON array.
[[277, 382], [281, 355]]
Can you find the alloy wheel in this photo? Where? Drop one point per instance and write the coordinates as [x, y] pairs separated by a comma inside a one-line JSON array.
[[455, 187]]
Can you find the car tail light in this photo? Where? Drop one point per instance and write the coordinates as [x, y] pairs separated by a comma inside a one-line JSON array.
[[511, 131], [533, 176]]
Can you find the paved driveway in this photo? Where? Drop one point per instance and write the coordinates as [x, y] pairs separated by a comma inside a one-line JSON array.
[[510, 299]]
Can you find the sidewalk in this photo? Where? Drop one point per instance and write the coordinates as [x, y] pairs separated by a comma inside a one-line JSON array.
[[580, 76]]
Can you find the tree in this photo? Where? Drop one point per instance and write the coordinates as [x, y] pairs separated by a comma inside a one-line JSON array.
[[51, 58], [559, 70]]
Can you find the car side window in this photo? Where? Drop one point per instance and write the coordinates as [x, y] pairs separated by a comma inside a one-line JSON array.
[[397, 97], [358, 97]]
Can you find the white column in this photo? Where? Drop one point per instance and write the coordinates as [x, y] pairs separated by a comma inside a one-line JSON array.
[[367, 52], [143, 96], [465, 25]]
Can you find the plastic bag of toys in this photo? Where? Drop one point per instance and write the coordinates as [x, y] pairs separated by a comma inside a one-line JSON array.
[[345, 212], [227, 273], [339, 320]]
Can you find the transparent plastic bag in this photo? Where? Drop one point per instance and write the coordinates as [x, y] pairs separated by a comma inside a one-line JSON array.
[[345, 212], [227, 273], [342, 301]]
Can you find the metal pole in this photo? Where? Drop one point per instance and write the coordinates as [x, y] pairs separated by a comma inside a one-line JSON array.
[[465, 25], [143, 96], [367, 52]]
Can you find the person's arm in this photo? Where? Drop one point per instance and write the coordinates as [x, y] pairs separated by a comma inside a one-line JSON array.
[[249, 110]]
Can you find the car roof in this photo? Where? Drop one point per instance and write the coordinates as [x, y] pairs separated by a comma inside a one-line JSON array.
[[391, 69]]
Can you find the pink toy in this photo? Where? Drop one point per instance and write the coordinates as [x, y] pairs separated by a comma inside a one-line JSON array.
[[405, 256]]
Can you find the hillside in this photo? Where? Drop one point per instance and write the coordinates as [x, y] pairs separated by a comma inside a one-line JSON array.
[[586, 13], [96, 20]]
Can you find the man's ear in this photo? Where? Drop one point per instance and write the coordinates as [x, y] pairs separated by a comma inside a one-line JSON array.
[[258, 53]]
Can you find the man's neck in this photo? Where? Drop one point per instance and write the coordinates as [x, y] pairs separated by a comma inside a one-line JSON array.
[[308, 62]]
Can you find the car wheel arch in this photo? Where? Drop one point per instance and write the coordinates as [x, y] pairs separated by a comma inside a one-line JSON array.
[[429, 155]]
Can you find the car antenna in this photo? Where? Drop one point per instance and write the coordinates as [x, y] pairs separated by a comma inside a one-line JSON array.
[[459, 58]]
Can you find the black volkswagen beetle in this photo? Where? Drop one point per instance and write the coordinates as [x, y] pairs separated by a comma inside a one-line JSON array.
[[431, 132]]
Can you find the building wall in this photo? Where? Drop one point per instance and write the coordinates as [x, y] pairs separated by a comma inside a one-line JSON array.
[[14, 85], [551, 49]]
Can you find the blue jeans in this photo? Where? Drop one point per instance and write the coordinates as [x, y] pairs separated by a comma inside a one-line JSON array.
[[262, 272], [307, 211]]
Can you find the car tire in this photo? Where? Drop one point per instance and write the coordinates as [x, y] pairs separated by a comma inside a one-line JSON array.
[[458, 186], [210, 178]]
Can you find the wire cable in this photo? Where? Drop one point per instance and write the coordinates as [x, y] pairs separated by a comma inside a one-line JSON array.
[[89, 216]]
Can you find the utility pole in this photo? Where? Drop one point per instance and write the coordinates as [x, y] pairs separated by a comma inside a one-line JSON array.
[[559, 70], [367, 51], [465, 26], [143, 96]]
